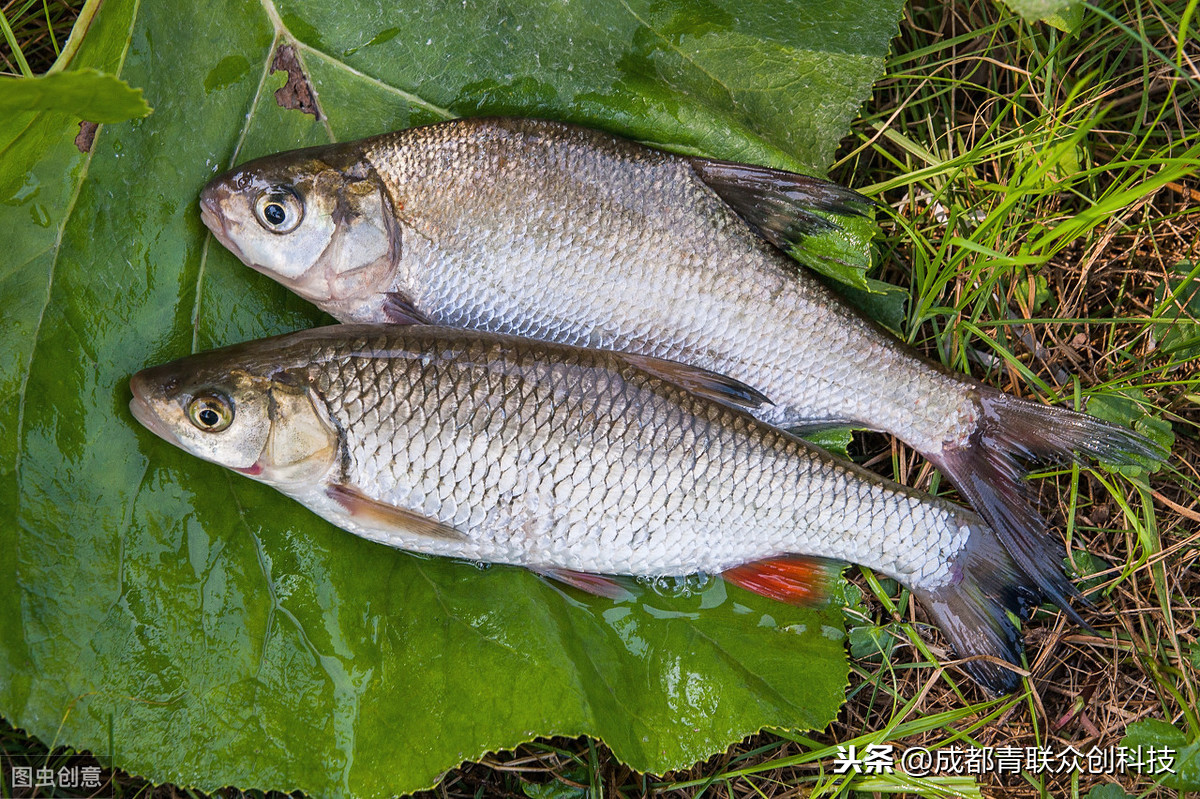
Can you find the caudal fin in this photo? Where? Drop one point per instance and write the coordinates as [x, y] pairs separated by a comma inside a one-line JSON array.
[[989, 473], [972, 610]]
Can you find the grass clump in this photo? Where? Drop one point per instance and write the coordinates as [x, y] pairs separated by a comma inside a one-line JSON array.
[[34, 32]]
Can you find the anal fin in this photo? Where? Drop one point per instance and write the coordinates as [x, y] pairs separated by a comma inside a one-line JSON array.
[[793, 579], [389, 518]]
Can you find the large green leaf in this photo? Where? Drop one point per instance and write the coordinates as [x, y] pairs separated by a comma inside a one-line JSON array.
[[208, 630]]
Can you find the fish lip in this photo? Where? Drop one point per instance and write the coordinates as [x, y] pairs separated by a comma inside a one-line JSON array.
[[145, 414], [214, 220]]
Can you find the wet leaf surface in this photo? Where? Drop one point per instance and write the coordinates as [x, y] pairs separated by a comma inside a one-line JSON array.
[[211, 631]]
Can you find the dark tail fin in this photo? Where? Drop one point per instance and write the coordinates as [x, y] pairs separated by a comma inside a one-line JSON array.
[[973, 609], [779, 204], [1046, 432], [990, 477]]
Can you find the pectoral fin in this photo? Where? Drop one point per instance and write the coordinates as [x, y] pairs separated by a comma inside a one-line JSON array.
[[399, 310], [710, 385], [389, 518], [778, 204]]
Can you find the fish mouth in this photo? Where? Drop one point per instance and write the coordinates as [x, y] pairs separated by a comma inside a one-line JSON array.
[[144, 413], [214, 220]]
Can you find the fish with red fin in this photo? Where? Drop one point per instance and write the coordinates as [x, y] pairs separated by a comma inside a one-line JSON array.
[[578, 464]]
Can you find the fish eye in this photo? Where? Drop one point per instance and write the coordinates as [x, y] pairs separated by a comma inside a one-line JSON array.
[[279, 211], [212, 413]]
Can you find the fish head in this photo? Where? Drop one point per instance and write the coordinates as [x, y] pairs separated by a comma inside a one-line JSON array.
[[249, 415], [320, 221]]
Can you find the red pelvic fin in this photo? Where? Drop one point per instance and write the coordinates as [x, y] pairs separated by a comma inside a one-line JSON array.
[[793, 579], [595, 584]]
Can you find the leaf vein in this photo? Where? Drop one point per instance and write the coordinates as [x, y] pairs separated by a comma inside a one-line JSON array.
[[17, 137], [237, 148], [56, 247], [438, 595], [405, 95], [565, 629], [685, 56]]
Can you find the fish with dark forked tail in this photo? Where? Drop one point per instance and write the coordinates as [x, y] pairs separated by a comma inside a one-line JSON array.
[[575, 463], [566, 234]]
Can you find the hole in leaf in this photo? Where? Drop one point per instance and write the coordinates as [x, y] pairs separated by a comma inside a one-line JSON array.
[[297, 93], [87, 135]]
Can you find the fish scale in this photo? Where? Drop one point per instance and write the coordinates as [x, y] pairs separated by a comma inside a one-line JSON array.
[[662, 279], [605, 457]]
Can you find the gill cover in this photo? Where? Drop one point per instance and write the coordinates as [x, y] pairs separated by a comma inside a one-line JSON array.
[[302, 443], [367, 243]]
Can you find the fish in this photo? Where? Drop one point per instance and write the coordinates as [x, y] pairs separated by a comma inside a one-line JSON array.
[[558, 232], [578, 464]]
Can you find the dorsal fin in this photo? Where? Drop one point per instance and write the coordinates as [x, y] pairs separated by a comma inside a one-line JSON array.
[[701, 382], [776, 203]]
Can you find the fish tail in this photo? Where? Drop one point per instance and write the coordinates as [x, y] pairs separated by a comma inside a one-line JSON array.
[[972, 610], [1047, 432], [988, 472]]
